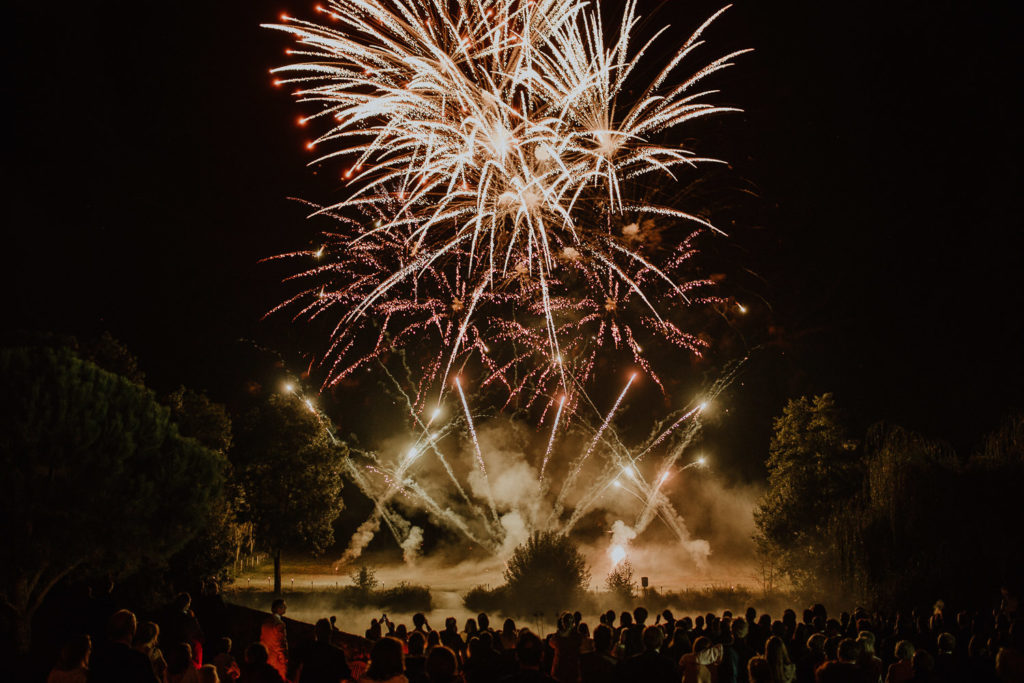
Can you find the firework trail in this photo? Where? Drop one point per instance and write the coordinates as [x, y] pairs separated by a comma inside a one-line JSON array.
[[476, 450], [551, 441], [577, 466]]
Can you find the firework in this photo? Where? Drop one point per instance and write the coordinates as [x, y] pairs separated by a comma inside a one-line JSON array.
[[496, 148], [507, 224]]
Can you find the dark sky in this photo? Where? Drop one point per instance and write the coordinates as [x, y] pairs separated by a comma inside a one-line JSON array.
[[149, 162]]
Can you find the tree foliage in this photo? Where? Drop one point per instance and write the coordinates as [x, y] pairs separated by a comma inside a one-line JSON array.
[[365, 580], [289, 468], [813, 470], [620, 582], [98, 476], [928, 523], [547, 570], [899, 522], [213, 551]]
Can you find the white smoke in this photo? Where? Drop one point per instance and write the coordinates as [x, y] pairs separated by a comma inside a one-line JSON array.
[[516, 533], [622, 533], [360, 539], [412, 544]]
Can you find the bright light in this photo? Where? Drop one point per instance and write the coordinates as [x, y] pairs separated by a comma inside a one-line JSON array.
[[617, 484], [703, 406], [702, 460], [288, 387], [309, 404], [742, 308], [618, 554], [663, 478], [436, 414]]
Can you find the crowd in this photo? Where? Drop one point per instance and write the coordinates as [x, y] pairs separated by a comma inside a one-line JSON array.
[[813, 647]]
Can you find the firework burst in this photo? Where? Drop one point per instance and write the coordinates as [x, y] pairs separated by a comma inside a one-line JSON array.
[[494, 153]]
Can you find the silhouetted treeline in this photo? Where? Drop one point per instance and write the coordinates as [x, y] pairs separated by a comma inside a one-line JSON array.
[[897, 518]]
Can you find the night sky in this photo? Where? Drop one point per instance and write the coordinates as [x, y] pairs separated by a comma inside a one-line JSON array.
[[150, 161]]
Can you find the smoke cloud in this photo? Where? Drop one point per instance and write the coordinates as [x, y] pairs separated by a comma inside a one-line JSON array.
[[412, 544], [360, 539]]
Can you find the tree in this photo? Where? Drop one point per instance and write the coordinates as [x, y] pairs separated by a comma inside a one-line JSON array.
[[620, 582], [899, 539], [98, 476], [218, 545], [547, 570], [365, 580], [289, 468], [813, 470]]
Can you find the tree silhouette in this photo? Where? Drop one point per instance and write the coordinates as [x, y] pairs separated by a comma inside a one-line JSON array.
[[98, 476], [812, 468], [546, 571], [289, 468], [620, 582]]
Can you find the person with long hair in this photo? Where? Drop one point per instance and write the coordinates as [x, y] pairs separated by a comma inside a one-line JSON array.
[[701, 665], [387, 662], [783, 669], [146, 636]]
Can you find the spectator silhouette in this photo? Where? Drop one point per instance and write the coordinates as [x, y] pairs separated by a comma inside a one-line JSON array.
[[274, 636], [227, 667], [1010, 658], [116, 661], [924, 668], [566, 643], [483, 664], [599, 666], [387, 664], [180, 666], [758, 670], [700, 665], [318, 661], [813, 658], [451, 639], [650, 665], [783, 670], [416, 660], [73, 664], [844, 669], [902, 669], [529, 652], [419, 623], [442, 666], [870, 665], [509, 635], [257, 668], [181, 626], [145, 641]]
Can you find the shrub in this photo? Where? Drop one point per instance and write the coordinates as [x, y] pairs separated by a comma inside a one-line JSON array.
[[547, 571]]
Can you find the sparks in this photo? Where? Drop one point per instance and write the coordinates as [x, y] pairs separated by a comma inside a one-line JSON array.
[[505, 153]]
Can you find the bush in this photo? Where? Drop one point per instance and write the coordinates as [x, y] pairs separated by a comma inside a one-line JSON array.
[[620, 583], [482, 599], [404, 598]]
